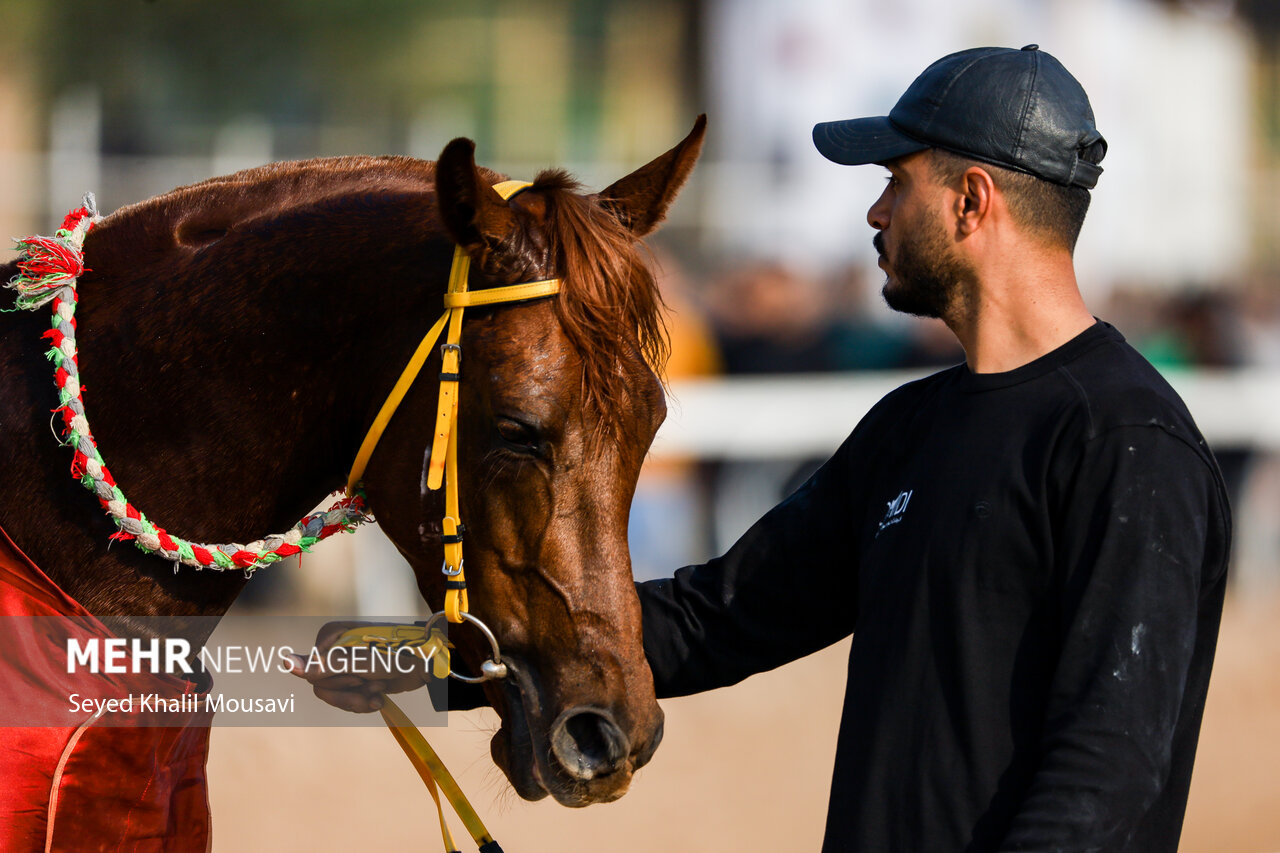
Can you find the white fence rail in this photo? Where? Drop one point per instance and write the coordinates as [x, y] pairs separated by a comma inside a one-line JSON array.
[[796, 416]]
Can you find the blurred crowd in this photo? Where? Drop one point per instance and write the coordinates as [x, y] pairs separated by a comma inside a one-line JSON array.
[[771, 318], [766, 317]]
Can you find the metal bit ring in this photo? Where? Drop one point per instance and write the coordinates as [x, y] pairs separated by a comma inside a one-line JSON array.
[[491, 668]]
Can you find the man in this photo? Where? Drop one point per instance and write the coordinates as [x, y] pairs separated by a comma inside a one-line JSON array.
[[1029, 549]]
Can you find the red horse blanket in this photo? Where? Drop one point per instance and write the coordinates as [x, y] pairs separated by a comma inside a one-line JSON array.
[[72, 779]]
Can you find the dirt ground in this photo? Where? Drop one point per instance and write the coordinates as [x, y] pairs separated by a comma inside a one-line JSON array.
[[746, 768]]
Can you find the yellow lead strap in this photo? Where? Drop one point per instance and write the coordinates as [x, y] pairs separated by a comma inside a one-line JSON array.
[[433, 772], [433, 647]]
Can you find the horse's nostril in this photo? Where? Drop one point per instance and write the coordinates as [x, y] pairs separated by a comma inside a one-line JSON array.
[[588, 743]]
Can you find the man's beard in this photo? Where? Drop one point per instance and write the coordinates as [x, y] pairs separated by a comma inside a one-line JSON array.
[[927, 280]]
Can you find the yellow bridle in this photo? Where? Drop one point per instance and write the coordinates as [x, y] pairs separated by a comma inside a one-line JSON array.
[[442, 467], [443, 464]]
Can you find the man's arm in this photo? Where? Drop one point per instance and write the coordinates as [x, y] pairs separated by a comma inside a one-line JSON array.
[[787, 588], [1144, 541]]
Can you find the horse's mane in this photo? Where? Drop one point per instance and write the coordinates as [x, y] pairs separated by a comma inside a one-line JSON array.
[[609, 306]]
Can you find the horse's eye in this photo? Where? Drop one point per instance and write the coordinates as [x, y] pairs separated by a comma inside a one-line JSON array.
[[518, 436]]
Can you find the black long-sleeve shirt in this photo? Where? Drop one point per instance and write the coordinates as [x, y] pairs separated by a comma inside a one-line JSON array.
[[1032, 566]]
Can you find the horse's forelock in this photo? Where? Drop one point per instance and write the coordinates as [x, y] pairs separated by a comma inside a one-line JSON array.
[[609, 306]]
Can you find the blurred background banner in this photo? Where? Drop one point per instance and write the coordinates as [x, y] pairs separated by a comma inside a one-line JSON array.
[[767, 265]]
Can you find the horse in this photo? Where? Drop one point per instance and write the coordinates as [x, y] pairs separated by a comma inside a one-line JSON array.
[[238, 336]]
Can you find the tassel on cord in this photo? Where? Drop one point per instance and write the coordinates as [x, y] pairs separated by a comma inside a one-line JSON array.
[[52, 263], [48, 265]]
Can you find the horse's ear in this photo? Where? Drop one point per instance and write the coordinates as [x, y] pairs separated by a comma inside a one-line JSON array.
[[473, 213], [640, 200]]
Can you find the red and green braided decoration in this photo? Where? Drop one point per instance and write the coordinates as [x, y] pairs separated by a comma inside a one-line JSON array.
[[47, 273]]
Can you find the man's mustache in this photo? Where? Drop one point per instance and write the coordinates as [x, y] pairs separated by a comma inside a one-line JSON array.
[[878, 242]]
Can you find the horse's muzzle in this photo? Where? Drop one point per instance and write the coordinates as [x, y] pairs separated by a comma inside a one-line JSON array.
[[582, 757]]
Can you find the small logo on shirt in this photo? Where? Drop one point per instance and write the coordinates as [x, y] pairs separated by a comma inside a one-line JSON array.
[[897, 509]]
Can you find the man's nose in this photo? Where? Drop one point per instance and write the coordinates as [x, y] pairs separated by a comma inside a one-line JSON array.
[[878, 213]]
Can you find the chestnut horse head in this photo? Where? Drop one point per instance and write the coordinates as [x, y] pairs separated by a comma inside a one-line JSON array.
[[238, 336], [560, 404]]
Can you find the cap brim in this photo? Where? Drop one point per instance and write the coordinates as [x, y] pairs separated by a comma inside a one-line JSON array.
[[858, 141]]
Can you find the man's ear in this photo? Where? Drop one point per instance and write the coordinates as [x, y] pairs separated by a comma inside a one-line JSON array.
[[973, 205], [640, 200], [472, 211]]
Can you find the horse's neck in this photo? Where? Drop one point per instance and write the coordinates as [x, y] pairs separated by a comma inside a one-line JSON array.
[[222, 420]]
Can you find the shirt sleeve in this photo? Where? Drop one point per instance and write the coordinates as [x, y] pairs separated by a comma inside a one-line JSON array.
[[787, 588], [1142, 553]]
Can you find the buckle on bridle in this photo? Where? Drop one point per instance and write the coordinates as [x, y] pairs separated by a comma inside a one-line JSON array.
[[449, 571]]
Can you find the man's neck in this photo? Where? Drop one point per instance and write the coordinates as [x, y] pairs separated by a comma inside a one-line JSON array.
[[1019, 312]]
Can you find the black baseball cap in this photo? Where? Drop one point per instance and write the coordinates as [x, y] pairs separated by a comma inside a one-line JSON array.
[[1015, 108]]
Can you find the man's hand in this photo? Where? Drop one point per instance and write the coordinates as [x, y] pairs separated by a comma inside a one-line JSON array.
[[341, 676]]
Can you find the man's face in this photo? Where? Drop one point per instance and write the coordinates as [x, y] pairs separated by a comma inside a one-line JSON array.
[[924, 275]]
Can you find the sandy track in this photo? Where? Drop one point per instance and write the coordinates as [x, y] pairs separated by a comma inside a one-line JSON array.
[[745, 768]]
